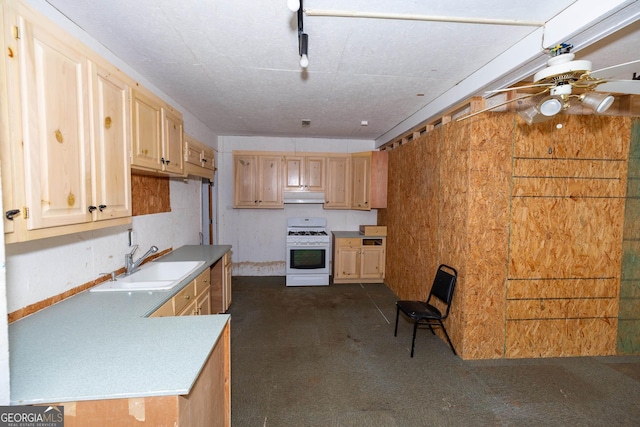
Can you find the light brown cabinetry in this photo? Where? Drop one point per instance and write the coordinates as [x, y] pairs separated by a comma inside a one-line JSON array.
[[337, 193], [157, 135], [207, 404], [369, 172], [65, 109], [358, 259], [198, 158], [304, 173], [257, 181], [221, 284], [192, 300]]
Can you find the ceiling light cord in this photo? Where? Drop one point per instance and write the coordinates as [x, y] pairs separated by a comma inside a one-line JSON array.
[[303, 38]]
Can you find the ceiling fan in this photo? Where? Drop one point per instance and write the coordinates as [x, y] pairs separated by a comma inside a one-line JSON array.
[[566, 79]]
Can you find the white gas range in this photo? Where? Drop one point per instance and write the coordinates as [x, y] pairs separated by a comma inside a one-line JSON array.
[[308, 252]]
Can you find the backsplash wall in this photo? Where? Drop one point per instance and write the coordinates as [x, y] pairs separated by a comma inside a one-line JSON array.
[[44, 268]]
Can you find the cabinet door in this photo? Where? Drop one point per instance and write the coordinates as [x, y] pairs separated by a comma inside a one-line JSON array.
[[245, 170], [56, 131], [204, 304], [372, 262], [360, 181], [112, 146], [9, 113], [172, 153], [314, 173], [147, 131], [270, 182], [338, 179], [293, 174], [347, 263], [226, 283]]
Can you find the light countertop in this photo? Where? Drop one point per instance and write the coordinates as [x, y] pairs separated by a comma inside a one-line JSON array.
[[101, 345]]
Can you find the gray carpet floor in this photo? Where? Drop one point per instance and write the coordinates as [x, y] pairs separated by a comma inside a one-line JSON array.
[[326, 356]]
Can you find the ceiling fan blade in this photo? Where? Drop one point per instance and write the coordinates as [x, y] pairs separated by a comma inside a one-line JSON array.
[[631, 87], [617, 70], [500, 105], [516, 88]]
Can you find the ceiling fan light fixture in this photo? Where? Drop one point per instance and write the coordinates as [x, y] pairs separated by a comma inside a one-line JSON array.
[[529, 114], [599, 102], [550, 106]]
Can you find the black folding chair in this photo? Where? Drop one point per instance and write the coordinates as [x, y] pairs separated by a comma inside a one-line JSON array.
[[425, 313]]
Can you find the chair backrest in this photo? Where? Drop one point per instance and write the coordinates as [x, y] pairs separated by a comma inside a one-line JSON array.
[[443, 285]]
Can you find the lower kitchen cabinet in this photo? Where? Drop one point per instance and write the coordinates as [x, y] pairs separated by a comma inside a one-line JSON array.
[[193, 300], [221, 284], [208, 403], [358, 258]]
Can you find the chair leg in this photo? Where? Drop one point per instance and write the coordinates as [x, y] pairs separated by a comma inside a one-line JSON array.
[[395, 333], [448, 339], [413, 341], [429, 325]]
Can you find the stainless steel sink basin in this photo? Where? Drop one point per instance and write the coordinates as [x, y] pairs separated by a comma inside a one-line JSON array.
[[153, 276]]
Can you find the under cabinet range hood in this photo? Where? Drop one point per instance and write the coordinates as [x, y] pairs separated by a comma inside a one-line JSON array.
[[303, 197]]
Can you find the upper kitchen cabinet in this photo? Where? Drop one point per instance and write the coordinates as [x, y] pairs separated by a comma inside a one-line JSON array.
[[338, 180], [304, 173], [198, 158], [157, 135], [369, 180], [257, 181], [111, 145], [67, 133]]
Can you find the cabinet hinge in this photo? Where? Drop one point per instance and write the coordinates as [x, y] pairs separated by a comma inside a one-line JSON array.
[[16, 32], [26, 212]]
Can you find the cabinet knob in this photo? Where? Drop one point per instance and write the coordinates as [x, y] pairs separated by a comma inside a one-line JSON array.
[[162, 160], [12, 214], [101, 207], [92, 208]]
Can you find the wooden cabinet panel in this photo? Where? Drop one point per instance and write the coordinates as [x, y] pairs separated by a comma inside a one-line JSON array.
[[257, 181], [369, 173], [198, 158], [112, 145], [147, 131], [359, 259], [304, 173], [221, 284], [172, 142], [56, 129], [337, 194]]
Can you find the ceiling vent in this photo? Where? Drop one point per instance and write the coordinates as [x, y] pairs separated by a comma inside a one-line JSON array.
[[306, 123]]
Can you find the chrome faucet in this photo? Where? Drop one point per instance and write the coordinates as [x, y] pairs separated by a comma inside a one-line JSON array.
[[132, 266]]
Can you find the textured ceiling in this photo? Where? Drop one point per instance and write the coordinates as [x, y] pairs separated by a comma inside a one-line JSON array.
[[235, 65]]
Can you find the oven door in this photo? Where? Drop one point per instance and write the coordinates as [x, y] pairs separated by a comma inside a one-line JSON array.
[[307, 259]]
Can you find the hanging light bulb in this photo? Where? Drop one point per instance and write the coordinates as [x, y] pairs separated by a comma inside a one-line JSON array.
[[304, 61], [550, 106], [599, 102], [293, 5], [304, 46]]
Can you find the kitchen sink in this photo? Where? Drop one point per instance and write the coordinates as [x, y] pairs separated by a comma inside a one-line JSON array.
[[153, 276]]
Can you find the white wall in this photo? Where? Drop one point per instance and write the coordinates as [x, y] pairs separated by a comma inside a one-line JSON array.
[[44, 268], [258, 235]]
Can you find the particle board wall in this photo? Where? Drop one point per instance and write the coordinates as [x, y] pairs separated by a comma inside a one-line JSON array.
[[629, 312], [150, 194], [532, 219]]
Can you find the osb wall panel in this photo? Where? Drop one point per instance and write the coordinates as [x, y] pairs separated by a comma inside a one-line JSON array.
[[149, 194], [566, 228], [561, 337], [563, 238], [628, 341], [411, 217], [453, 219], [487, 236]]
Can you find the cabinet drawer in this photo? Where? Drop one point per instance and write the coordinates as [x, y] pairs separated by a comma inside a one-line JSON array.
[[184, 297], [351, 242], [203, 281], [165, 310]]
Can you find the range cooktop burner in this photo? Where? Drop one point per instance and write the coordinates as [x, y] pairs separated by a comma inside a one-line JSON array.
[[307, 233]]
